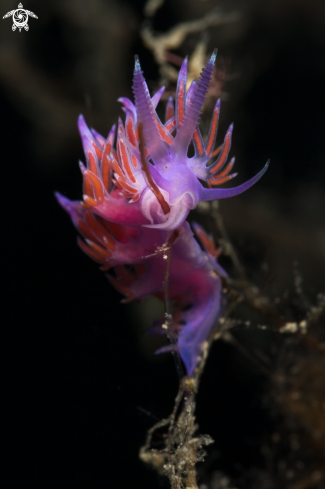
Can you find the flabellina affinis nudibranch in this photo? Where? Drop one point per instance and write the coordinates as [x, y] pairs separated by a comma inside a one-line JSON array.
[[137, 194]]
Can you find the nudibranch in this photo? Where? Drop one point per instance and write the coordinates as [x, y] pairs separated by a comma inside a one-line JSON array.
[[138, 194]]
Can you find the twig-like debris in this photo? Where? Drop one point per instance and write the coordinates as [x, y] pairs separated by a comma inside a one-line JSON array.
[[151, 7], [172, 39], [183, 448], [160, 44]]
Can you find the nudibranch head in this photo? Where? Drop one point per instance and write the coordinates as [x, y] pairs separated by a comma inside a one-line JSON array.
[[149, 167]]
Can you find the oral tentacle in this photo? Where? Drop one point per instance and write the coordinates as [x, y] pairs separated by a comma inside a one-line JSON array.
[[224, 193]]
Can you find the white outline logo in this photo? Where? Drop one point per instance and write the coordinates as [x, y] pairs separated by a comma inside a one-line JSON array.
[[20, 18]]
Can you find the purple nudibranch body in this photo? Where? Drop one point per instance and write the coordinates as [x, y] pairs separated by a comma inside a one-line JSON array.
[[138, 194]]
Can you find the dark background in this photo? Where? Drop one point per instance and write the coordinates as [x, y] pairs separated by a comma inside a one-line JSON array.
[[76, 368]]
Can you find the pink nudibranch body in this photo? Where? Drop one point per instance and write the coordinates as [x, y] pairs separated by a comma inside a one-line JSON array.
[[139, 191]]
